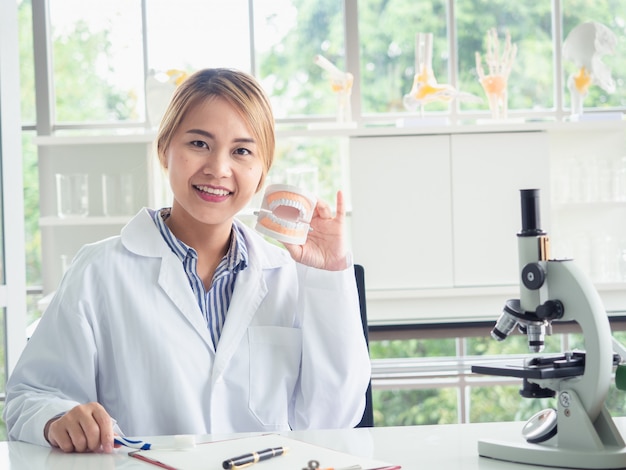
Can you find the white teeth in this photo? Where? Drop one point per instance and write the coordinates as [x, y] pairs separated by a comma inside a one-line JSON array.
[[214, 191], [285, 223], [290, 203]]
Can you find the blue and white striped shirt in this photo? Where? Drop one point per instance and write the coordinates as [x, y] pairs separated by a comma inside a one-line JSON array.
[[214, 303]]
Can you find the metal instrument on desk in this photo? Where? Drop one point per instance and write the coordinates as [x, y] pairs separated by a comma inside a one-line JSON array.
[[580, 432]]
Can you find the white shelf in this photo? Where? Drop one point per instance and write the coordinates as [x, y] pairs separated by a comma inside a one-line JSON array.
[[329, 130], [96, 138], [52, 221]]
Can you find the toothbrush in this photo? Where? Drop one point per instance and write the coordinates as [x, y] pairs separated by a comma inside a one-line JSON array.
[[181, 442]]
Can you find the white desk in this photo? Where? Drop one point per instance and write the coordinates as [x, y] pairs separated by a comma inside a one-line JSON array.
[[444, 447]]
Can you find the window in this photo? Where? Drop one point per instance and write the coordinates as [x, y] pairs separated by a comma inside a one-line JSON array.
[[388, 51], [531, 82], [27, 63], [12, 278], [278, 41], [534, 85], [97, 61], [429, 381], [288, 36], [193, 34]]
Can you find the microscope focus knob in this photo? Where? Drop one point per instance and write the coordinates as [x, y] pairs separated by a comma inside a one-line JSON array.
[[533, 276], [550, 310]]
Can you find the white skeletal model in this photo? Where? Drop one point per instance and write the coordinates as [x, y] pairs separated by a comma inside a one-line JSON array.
[[585, 46], [341, 84]]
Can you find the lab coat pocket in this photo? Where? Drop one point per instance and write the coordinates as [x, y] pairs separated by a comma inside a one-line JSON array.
[[275, 354]]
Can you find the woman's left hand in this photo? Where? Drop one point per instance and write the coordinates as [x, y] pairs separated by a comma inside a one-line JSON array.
[[325, 243]]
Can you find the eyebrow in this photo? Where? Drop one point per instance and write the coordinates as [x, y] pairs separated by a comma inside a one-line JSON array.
[[209, 135]]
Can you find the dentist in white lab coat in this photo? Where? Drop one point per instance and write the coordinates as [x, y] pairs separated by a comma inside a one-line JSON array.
[[189, 322]]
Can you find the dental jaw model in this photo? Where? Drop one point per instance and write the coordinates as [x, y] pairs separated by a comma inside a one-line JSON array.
[[286, 213], [585, 46], [580, 433]]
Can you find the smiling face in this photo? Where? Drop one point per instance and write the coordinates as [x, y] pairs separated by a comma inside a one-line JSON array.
[[214, 165]]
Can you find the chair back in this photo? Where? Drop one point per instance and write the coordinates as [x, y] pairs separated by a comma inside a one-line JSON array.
[[367, 421]]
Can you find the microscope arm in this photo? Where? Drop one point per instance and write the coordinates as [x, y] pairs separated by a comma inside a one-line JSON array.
[[582, 304]]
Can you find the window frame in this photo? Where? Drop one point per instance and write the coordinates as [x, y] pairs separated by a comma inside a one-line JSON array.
[[13, 291]]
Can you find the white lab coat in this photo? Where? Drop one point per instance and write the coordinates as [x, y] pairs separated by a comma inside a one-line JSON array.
[[125, 330]]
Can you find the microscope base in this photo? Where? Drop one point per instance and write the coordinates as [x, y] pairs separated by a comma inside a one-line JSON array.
[[536, 454]]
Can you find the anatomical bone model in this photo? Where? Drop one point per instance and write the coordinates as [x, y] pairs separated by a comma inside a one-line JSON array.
[[585, 46], [499, 65]]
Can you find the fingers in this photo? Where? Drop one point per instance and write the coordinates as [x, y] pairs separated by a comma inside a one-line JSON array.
[[324, 211], [341, 208], [105, 425], [85, 428]]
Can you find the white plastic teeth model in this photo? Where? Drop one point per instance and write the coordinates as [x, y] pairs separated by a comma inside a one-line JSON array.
[[288, 224], [289, 203]]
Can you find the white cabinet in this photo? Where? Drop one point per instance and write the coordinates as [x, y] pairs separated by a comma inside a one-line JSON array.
[[488, 171], [94, 156], [435, 217], [401, 222], [442, 210]]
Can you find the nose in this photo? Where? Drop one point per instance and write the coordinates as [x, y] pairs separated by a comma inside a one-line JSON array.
[[217, 164]]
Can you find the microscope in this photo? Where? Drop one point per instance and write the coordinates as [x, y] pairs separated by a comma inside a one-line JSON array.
[[580, 432]]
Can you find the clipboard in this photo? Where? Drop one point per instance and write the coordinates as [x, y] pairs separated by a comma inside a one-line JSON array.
[[210, 455]]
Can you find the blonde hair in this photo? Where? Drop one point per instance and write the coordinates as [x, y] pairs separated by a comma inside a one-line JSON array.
[[240, 90]]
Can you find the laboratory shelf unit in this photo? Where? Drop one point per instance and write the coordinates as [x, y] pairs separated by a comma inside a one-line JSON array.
[[127, 157]]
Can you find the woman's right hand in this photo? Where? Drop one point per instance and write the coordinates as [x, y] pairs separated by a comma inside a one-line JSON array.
[[85, 428]]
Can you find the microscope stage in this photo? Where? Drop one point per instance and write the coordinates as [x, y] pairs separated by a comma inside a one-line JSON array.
[[545, 367]]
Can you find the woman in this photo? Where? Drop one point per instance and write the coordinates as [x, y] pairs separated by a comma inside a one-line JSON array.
[[189, 322]]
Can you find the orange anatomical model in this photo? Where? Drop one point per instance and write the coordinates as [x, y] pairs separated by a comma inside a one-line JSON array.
[[425, 88], [499, 64]]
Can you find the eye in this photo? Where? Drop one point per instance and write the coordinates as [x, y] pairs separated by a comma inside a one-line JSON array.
[[242, 151], [199, 144]]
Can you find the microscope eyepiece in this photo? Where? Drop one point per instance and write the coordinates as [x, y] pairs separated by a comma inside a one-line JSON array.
[[531, 220]]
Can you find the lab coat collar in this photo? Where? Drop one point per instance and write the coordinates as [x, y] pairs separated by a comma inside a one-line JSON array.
[[142, 237]]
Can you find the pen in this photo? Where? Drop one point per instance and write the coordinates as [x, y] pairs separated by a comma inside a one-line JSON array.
[[253, 457]]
